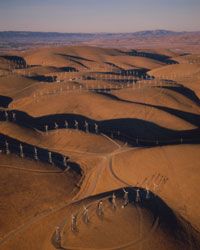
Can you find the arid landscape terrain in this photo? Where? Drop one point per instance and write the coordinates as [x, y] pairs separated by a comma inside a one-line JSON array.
[[100, 147], [154, 39]]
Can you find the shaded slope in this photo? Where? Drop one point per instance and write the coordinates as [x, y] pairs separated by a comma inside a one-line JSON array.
[[134, 131]]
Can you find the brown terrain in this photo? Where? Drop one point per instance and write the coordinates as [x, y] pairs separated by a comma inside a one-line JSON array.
[[85, 124]]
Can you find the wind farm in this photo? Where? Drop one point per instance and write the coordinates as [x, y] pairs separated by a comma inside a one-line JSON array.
[[99, 140], [87, 123]]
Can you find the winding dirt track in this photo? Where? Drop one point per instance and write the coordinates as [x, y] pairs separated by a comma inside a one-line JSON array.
[[87, 189], [138, 242], [93, 179], [32, 170]]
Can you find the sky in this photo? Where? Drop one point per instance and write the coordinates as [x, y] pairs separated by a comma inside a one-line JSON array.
[[91, 16]]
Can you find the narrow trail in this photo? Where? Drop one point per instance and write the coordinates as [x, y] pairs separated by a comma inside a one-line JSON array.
[[143, 236], [110, 139], [90, 182], [106, 166], [33, 170], [22, 90], [138, 243], [87, 189], [116, 176], [121, 151], [33, 220]]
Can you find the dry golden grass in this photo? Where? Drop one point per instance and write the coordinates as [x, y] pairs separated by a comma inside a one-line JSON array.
[[36, 197]]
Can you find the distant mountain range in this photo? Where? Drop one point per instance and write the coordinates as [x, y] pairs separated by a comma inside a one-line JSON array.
[[150, 38]]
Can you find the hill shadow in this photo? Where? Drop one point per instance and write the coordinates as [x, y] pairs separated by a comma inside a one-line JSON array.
[[141, 73], [42, 78], [135, 132], [79, 58], [190, 94], [157, 57], [5, 101], [72, 59], [42, 153], [187, 116], [170, 222], [16, 59], [113, 65], [68, 69]]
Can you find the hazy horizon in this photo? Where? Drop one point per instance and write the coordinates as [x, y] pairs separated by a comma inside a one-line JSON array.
[[101, 32], [92, 16]]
